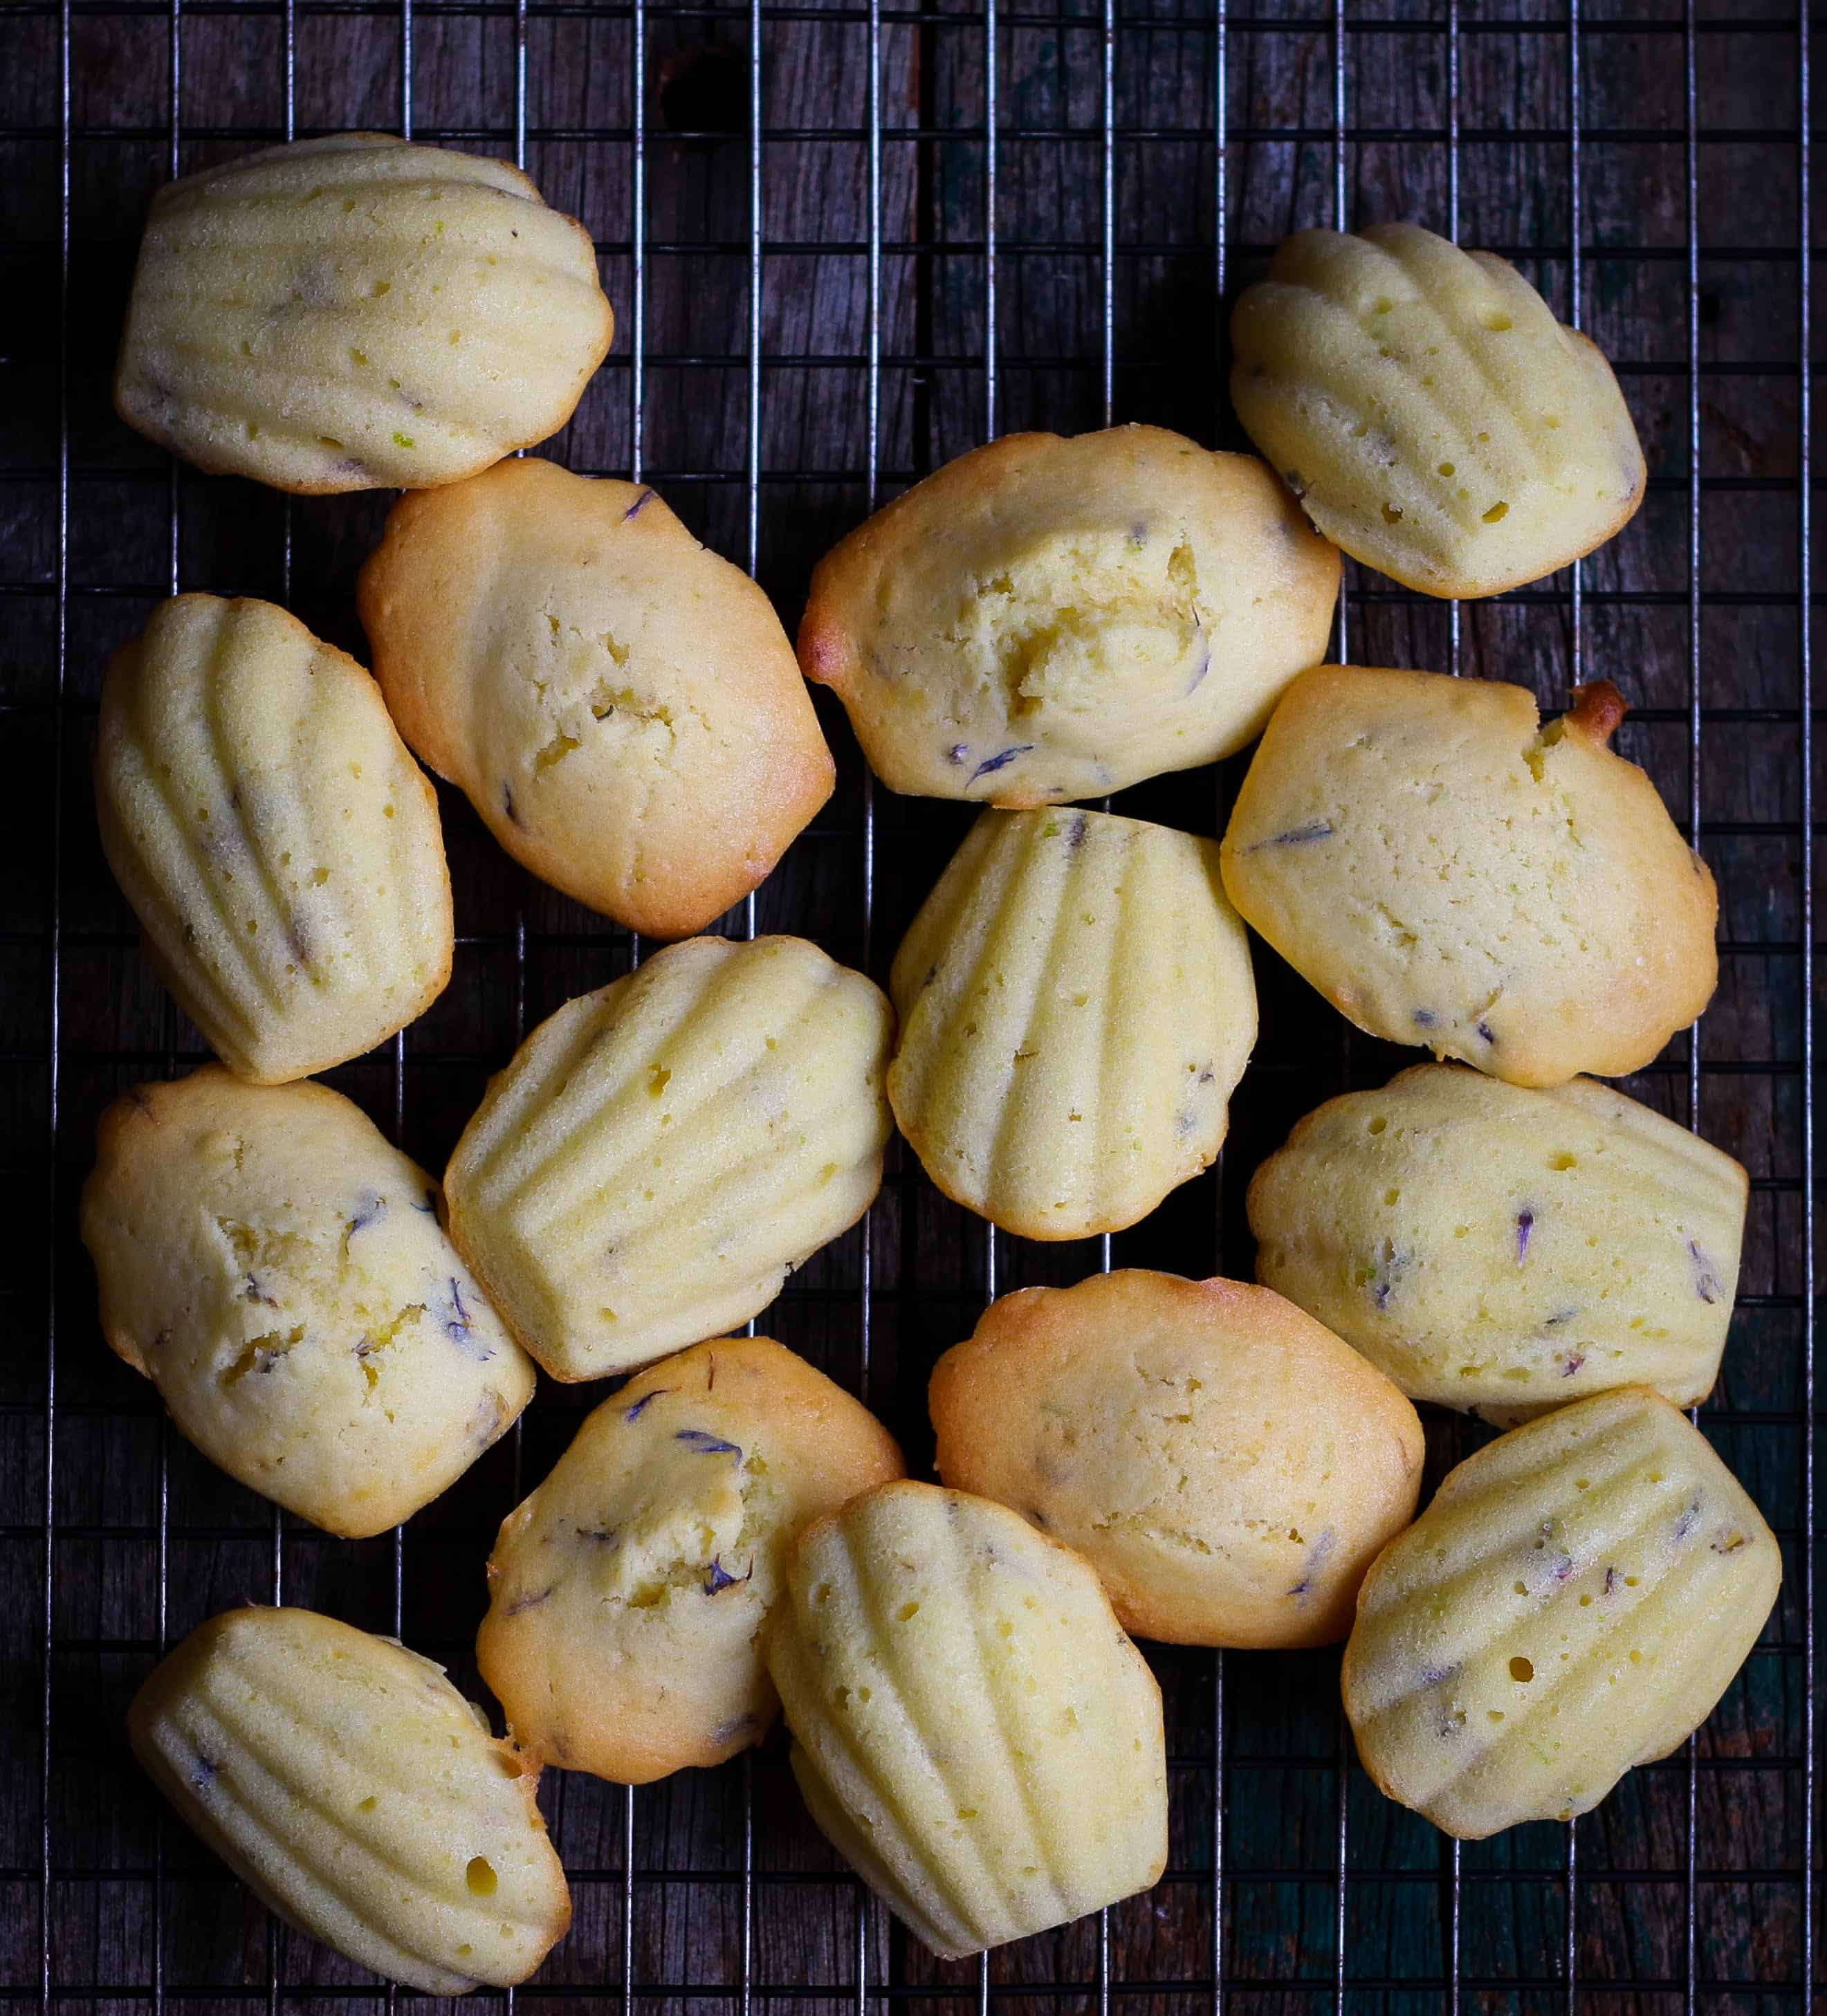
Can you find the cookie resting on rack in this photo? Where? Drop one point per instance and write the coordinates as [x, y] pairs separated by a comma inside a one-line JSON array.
[[1430, 412], [659, 1155], [1506, 1250], [620, 704], [1448, 872], [1228, 1466], [1049, 618], [358, 1794], [627, 1594], [1075, 1006], [281, 849], [276, 1268], [971, 1728], [357, 313], [1573, 1603]]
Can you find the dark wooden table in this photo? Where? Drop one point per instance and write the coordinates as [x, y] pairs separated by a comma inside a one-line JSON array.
[[750, 374]]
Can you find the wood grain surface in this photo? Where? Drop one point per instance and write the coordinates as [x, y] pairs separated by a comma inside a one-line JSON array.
[[1689, 1882]]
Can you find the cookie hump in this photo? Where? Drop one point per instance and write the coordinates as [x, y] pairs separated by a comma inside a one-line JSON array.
[[1573, 1603], [1504, 1249], [1429, 412], [659, 1155], [1076, 1005], [280, 847], [627, 1594], [358, 1794], [972, 1730], [1046, 619], [356, 312], [276, 1268], [1228, 1466], [620, 704], [1448, 872]]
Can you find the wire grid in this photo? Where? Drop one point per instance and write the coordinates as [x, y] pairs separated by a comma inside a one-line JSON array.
[[1239, 1926]]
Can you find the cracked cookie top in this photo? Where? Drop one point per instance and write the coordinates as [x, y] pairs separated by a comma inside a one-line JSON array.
[[1228, 1465], [1449, 872], [626, 1595], [620, 704], [277, 1268], [1048, 619]]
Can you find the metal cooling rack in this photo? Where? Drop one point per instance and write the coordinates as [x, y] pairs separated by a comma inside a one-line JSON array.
[[1290, 1882]]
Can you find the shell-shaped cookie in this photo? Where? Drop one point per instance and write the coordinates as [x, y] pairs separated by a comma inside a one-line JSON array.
[[659, 1154], [1228, 1466], [1447, 872], [627, 1596], [356, 312], [1505, 1250], [1430, 412], [972, 1730], [620, 704], [1046, 619], [1573, 1603], [356, 1794], [1076, 1005], [276, 1268], [280, 847]]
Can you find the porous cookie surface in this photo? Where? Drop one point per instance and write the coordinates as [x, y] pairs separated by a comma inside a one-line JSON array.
[[620, 704], [1228, 1466], [1446, 871], [1430, 412], [1047, 618], [972, 1730], [626, 1595], [1076, 1005], [280, 847], [1506, 1250], [356, 1793], [1573, 1603], [276, 1268], [356, 312], [658, 1154]]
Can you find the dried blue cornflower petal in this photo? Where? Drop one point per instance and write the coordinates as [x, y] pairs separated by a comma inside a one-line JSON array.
[[646, 1400], [639, 505], [1001, 761], [1305, 835], [717, 1577], [1525, 1224], [705, 1443], [369, 1205], [1689, 1519], [457, 1323], [429, 1205], [1425, 1018], [1484, 1031], [1707, 1284]]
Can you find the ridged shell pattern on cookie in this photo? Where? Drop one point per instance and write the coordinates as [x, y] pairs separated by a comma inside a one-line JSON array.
[[355, 312], [356, 1794], [1573, 1603], [1077, 1005], [659, 1154], [972, 1730], [1493, 1247], [280, 847], [1430, 412]]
